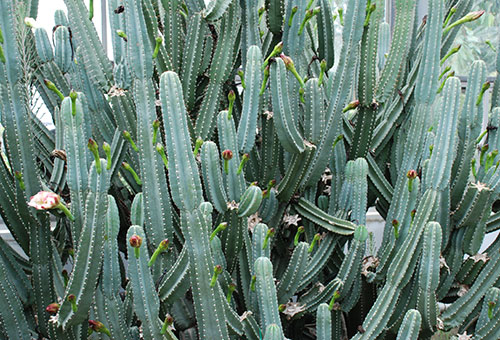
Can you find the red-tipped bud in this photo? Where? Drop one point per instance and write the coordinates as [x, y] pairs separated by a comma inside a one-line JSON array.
[[282, 308], [135, 241], [227, 155], [287, 60], [71, 298], [412, 174], [231, 96], [98, 327], [395, 223], [53, 308]]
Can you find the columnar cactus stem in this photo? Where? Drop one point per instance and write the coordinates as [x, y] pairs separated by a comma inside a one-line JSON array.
[[162, 247], [127, 167], [222, 226]]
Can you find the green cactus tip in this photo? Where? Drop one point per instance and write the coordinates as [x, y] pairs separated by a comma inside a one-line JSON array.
[[162, 247]]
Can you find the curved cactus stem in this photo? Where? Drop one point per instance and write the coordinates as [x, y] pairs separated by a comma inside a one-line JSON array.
[[293, 274], [323, 322], [411, 326], [212, 177], [318, 216]]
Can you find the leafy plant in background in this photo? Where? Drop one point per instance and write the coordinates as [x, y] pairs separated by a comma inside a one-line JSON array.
[[212, 181]]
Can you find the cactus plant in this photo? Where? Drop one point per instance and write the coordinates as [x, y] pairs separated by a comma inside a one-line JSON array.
[[252, 144]]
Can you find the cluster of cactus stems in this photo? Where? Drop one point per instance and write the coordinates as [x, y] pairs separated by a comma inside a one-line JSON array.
[[212, 181]]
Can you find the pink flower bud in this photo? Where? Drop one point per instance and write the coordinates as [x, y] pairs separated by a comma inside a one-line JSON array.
[[135, 241], [53, 308], [227, 155], [45, 200]]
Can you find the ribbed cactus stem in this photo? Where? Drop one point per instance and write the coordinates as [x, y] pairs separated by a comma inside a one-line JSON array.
[[161, 150], [450, 53], [484, 88], [395, 225], [107, 151], [129, 139], [446, 69], [290, 19], [19, 177], [491, 305], [244, 160], [169, 321], [300, 231], [490, 159], [484, 149], [73, 95], [217, 272], [127, 167], [314, 241], [91, 9], [162, 247], [222, 226], [197, 146], [72, 300], [156, 127], [369, 13], [98, 327], [94, 148], [231, 97], [411, 174], [310, 13], [136, 242], [122, 34], [264, 81], [341, 16], [230, 290], [450, 14], [335, 297], [270, 233], [338, 139], [159, 41], [242, 78], [290, 66], [451, 74], [227, 155], [467, 18], [252, 283], [51, 86], [276, 51], [322, 72], [351, 106]]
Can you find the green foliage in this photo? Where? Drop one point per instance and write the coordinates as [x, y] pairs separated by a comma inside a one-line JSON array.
[[180, 173]]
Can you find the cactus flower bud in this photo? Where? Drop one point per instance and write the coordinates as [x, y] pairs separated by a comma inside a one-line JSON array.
[[230, 290], [276, 50], [227, 155], [341, 16], [264, 81], [19, 177], [351, 106], [163, 246], [217, 271], [231, 97], [335, 297], [323, 66], [446, 69], [72, 300], [309, 14], [156, 126], [65, 277], [135, 242], [46, 200], [122, 34], [30, 22], [484, 88], [290, 19], [53, 308], [128, 137], [338, 139], [159, 41], [491, 305], [282, 308], [395, 225], [291, 67], [98, 327], [161, 150], [484, 149], [219, 228], [73, 95], [473, 167], [313, 243], [490, 159], [107, 150], [94, 148], [127, 167], [242, 78], [270, 233], [450, 14], [467, 18], [369, 13], [411, 175], [252, 283], [450, 53], [51, 86], [169, 320], [197, 146], [300, 230], [244, 159]]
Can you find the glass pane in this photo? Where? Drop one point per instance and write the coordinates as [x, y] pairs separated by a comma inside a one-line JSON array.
[[474, 37]]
